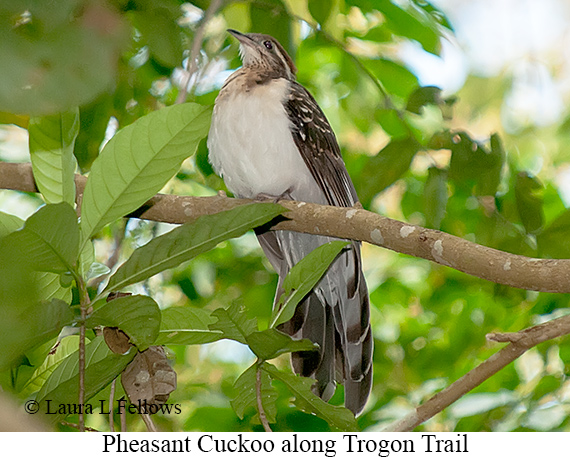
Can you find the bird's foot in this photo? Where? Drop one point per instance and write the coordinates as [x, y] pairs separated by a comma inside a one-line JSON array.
[[263, 197]]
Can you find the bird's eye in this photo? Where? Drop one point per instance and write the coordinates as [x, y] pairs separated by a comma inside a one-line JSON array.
[[268, 44]]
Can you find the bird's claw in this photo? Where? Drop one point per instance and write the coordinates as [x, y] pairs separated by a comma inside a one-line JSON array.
[[263, 197]]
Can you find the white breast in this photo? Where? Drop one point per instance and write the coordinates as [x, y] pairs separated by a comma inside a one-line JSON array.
[[251, 145]]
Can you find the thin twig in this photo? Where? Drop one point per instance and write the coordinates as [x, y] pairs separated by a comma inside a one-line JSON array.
[[260, 410], [111, 401], [123, 416], [192, 64], [522, 342], [149, 422], [84, 305]]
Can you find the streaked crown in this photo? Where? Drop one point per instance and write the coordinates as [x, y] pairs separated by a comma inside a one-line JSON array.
[[260, 50]]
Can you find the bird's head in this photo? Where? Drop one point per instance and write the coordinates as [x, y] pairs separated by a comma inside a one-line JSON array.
[[259, 50]]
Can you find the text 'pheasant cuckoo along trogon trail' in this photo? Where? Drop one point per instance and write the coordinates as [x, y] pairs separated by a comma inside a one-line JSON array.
[[269, 137]]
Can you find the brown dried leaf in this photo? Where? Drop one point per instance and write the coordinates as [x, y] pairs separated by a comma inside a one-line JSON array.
[[149, 379], [117, 340]]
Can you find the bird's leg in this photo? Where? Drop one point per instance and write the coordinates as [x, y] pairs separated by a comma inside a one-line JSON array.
[[285, 195]]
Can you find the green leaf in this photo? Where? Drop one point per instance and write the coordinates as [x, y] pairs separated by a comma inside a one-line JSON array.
[[391, 123], [554, 240], [272, 17], [49, 286], [159, 29], [185, 325], [386, 168], [435, 197], [101, 367], [473, 164], [187, 241], [138, 161], [337, 416], [51, 140], [48, 242], [9, 223], [136, 315], [494, 160], [320, 10], [529, 196], [422, 96], [302, 278], [21, 330], [234, 323], [410, 24], [245, 394], [86, 261], [271, 343], [64, 348], [396, 79]]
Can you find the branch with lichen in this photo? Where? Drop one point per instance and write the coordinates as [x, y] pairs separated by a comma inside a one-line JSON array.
[[544, 275]]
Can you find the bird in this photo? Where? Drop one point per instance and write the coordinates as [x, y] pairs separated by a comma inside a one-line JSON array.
[[269, 137]]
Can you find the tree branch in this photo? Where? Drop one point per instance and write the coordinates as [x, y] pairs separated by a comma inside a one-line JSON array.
[[521, 342], [545, 275], [192, 64]]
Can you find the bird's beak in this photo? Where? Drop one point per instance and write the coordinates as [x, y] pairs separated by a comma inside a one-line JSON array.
[[242, 37]]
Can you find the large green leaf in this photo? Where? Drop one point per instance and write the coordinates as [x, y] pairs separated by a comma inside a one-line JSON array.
[[51, 140], [136, 315], [271, 343], [9, 223], [386, 167], [138, 161], [49, 240], [302, 278], [187, 241], [101, 367], [337, 416], [21, 330], [64, 348], [185, 325], [246, 395], [234, 323]]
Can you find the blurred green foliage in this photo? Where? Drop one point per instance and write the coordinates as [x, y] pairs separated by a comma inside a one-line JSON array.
[[408, 155]]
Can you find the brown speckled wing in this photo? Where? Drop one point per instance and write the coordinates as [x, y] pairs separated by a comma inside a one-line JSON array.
[[317, 144]]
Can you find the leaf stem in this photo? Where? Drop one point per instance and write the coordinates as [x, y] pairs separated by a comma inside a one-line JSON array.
[[260, 410], [192, 66], [149, 422]]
